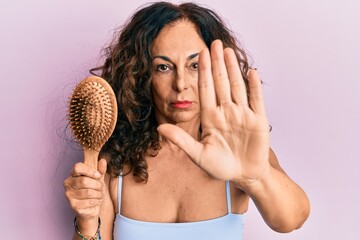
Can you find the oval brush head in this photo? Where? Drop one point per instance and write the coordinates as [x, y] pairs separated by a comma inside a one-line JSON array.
[[92, 115]]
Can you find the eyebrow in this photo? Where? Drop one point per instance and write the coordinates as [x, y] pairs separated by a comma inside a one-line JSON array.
[[194, 55]]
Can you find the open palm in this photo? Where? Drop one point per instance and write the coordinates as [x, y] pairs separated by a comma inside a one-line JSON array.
[[234, 143]]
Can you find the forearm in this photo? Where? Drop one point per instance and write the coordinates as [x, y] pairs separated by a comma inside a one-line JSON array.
[[282, 203]]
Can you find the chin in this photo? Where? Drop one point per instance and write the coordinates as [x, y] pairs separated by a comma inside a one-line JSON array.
[[185, 117]]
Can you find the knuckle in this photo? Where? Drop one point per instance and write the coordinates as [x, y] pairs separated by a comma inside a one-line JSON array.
[[69, 184], [66, 184], [68, 195], [91, 202], [87, 193], [80, 211], [94, 202], [77, 169], [73, 205], [83, 181]]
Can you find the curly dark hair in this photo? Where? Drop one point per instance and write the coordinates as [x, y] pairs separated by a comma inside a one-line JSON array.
[[128, 69]]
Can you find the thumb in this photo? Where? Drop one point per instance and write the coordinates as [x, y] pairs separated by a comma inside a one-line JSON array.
[[183, 140], [102, 165]]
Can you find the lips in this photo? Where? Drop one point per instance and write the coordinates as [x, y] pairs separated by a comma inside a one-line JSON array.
[[182, 104]]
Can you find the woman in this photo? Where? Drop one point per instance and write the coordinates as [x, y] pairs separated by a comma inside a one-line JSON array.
[[191, 145]]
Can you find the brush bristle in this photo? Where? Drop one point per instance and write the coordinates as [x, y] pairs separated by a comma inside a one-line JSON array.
[[92, 112]]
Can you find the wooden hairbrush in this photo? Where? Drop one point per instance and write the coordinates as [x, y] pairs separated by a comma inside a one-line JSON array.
[[92, 116]]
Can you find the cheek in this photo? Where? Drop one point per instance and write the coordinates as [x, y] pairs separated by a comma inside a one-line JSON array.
[[158, 94], [195, 89], [161, 88], [156, 97]]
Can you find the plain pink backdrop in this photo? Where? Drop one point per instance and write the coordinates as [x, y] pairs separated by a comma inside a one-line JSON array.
[[306, 51]]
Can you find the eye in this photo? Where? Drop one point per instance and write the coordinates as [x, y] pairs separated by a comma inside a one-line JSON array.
[[193, 66], [162, 68]]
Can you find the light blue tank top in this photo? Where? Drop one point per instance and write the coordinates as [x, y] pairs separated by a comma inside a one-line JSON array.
[[228, 227]]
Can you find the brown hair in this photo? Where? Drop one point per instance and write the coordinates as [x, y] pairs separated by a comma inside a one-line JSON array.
[[128, 70]]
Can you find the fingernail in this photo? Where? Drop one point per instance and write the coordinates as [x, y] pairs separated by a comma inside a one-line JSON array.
[[250, 68], [97, 174]]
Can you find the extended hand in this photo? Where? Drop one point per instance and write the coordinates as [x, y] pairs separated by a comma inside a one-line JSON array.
[[234, 142]]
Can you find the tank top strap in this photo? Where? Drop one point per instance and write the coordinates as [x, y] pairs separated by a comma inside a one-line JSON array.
[[119, 192], [228, 197]]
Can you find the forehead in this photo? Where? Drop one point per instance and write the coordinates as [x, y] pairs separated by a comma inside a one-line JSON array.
[[177, 39]]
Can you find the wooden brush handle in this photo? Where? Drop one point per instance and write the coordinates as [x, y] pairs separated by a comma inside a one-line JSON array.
[[91, 158]]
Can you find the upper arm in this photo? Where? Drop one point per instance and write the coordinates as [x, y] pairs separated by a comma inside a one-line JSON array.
[[107, 213]]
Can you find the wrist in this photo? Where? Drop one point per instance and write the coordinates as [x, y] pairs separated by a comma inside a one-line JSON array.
[[252, 185], [87, 228]]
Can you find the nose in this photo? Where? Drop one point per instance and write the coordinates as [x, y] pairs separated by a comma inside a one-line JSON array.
[[180, 82]]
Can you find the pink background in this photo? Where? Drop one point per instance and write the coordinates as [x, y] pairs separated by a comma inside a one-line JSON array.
[[306, 51]]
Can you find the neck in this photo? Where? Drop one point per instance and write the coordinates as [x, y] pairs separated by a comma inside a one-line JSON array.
[[191, 127]]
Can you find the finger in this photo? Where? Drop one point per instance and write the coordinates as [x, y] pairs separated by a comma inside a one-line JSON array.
[[256, 98], [183, 140], [102, 165], [205, 83], [85, 183], [82, 194], [88, 212], [80, 205], [220, 76], [237, 84], [82, 169]]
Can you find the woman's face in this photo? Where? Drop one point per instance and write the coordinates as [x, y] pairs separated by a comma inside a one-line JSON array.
[[175, 73]]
